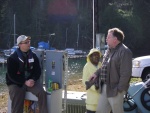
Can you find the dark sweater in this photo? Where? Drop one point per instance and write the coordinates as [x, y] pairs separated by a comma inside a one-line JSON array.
[[16, 75]]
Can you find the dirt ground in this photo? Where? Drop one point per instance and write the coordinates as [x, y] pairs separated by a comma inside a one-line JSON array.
[[76, 85], [3, 102]]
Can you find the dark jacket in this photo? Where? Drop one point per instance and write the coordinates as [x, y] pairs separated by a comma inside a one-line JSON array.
[[119, 69], [16, 68]]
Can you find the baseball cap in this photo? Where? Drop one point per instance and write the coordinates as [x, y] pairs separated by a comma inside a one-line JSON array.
[[22, 38]]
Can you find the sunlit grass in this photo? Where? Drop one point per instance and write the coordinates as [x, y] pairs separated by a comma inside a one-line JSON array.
[[134, 80]]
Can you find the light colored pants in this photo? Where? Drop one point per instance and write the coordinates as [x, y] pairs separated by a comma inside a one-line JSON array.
[[105, 104]]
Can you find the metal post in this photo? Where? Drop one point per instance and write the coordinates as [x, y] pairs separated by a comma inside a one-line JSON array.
[[49, 38], [93, 27], [66, 37], [78, 37], [14, 29]]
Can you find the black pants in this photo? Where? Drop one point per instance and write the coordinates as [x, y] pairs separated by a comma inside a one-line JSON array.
[[88, 111]]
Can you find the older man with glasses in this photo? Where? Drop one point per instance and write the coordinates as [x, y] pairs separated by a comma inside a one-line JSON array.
[[23, 72]]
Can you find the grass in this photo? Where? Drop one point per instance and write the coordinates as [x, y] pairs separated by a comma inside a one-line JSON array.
[[134, 80]]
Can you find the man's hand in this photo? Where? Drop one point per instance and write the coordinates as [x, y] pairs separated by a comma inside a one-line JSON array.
[[93, 77], [30, 83], [92, 81]]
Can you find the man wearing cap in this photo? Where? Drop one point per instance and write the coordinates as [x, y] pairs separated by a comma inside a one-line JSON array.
[[23, 73], [93, 63]]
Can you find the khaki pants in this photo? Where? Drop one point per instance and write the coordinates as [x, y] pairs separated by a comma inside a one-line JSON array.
[[17, 95], [106, 104]]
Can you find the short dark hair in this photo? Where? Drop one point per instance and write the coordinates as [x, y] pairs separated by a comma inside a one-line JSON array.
[[117, 33]]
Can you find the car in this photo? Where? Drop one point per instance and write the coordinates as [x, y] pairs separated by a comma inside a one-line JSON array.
[[9, 51], [70, 51], [141, 67], [79, 52]]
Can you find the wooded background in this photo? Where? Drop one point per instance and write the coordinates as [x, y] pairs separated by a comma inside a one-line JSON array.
[[72, 22]]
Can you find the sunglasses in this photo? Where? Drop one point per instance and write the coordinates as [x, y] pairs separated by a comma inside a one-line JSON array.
[[28, 42]]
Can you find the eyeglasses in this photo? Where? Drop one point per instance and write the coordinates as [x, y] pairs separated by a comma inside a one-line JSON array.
[[28, 42]]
